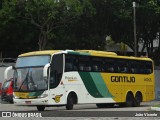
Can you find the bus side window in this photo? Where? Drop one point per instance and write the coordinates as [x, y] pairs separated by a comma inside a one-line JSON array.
[[133, 67], [133, 70], [81, 68], [75, 68], [111, 69], [97, 64], [84, 63], [110, 65], [122, 66], [116, 68], [71, 63], [148, 67], [68, 67], [148, 71], [124, 70], [95, 68], [141, 69], [88, 68]]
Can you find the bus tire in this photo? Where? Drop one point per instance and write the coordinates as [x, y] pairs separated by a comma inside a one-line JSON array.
[[70, 102], [138, 99], [129, 100], [40, 107]]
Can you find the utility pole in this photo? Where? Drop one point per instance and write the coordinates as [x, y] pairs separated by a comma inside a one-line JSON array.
[[134, 26]]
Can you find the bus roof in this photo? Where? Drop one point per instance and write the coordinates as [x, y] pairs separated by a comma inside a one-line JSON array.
[[83, 52], [111, 54], [44, 52], [98, 53]]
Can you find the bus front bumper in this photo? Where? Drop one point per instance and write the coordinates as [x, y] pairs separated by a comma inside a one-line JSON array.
[[29, 102]]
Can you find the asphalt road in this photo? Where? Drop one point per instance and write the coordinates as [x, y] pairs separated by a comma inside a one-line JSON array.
[[86, 110], [145, 106]]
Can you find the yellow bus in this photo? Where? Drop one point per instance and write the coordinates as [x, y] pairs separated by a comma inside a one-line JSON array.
[[65, 78]]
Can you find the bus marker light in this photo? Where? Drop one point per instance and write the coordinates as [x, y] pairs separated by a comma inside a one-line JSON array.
[[62, 83]]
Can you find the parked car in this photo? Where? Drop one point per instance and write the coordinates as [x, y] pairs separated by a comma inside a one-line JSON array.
[[7, 91]]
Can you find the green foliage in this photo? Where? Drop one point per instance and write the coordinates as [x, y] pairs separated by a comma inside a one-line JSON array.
[[76, 24]]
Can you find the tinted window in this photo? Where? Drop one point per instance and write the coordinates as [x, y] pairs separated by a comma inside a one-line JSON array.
[[71, 63], [84, 63], [141, 67], [148, 67], [110, 65], [104, 64], [56, 70], [97, 64], [123, 66]]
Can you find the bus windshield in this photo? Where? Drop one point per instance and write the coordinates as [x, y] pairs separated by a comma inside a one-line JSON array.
[[30, 79], [28, 75], [32, 61]]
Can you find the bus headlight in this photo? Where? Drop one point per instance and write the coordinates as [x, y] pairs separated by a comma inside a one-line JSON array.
[[43, 96], [15, 97]]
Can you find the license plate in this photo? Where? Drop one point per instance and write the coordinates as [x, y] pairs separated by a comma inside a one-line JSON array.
[[28, 102]]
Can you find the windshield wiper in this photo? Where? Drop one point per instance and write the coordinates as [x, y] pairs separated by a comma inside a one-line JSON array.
[[25, 80], [32, 82]]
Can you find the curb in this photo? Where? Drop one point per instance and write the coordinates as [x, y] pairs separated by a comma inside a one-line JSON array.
[[155, 108]]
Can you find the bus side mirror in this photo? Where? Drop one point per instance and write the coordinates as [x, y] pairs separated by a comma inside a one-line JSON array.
[[45, 69], [6, 72]]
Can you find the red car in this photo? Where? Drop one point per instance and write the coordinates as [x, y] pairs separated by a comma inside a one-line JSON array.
[[7, 91]]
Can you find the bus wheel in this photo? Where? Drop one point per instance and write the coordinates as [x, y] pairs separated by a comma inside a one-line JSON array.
[[137, 100], [70, 102], [40, 108], [129, 100]]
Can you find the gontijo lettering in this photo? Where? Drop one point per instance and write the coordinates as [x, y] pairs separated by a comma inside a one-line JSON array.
[[122, 79]]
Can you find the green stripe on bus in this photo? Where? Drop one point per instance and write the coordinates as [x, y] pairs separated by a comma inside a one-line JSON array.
[[100, 84], [90, 85], [78, 53], [38, 93]]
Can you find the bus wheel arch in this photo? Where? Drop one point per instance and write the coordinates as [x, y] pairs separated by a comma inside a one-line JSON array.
[[129, 99], [71, 100], [138, 99]]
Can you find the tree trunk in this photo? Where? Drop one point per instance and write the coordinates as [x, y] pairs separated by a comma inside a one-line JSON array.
[[42, 40], [144, 45], [148, 47], [151, 48]]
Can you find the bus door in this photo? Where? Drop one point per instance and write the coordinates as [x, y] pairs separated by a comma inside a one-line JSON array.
[[56, 70]]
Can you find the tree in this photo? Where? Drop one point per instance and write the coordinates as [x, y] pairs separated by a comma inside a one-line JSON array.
[[15, 35], [147, 22], [49, 14], [78, 33], [43, 16], [76, 24]]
